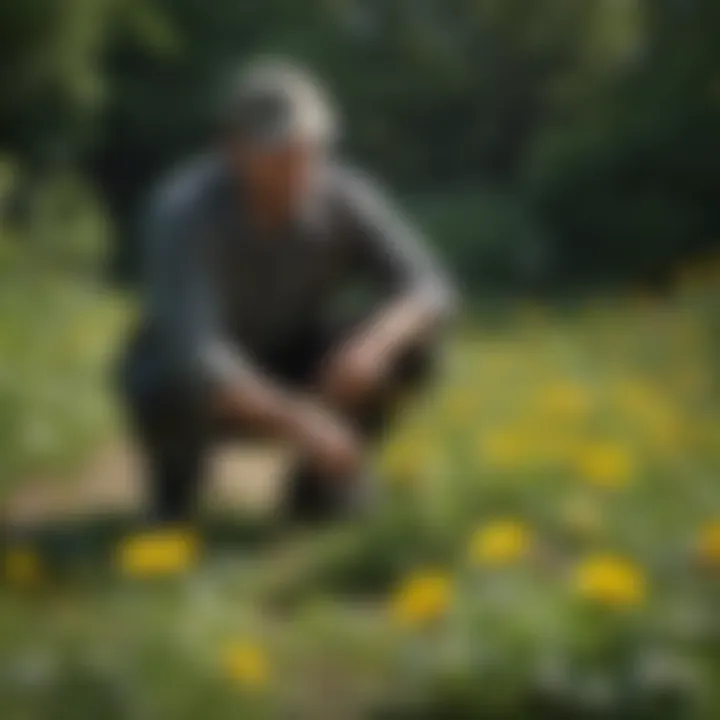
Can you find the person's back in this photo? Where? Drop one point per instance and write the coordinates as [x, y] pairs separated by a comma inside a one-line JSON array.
[[249, 250]]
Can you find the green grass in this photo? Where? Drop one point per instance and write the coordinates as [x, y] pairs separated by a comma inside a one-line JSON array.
[[591, 434], [57, 343]]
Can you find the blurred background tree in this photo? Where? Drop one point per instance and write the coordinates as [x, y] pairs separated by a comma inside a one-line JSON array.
[[543, 141]]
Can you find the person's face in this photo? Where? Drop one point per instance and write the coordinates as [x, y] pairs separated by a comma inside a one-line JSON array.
[[281, 174]]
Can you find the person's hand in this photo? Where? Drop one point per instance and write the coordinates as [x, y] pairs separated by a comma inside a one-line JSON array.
[[354, 372], [330, 445]]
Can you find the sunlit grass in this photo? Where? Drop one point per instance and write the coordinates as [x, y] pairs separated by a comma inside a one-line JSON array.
[[549, 545]]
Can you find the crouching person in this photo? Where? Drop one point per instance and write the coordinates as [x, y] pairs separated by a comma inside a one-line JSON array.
[[250, 249]]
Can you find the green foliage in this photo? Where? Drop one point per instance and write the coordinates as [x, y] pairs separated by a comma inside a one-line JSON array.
[[52, 80], [58, 329], [596, 119], [491, 240], [624, 184]]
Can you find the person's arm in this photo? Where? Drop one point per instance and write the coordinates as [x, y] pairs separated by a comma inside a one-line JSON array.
[[186, 312], [419, 298]]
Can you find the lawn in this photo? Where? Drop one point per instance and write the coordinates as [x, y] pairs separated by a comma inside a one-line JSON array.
[[549, 546]]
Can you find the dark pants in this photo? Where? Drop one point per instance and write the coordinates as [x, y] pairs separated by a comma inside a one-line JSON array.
[[176, 431]]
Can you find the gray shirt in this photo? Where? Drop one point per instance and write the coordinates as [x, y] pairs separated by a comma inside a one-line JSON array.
[[222, 296]]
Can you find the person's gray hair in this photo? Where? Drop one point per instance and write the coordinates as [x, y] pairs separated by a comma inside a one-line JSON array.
[[272, 101]]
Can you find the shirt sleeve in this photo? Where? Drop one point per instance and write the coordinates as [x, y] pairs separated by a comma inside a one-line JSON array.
[[183, 303], [389, 249]]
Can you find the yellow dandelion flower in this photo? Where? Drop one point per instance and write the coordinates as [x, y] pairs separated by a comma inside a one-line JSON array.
[[505, 448], [159, 552], [23, 568], [708, 545], [605, 464], [610, 580], [651, 412], [562, 400], [634, 395], [552, 444], [247, 663], [421, 598], [499, 543]]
